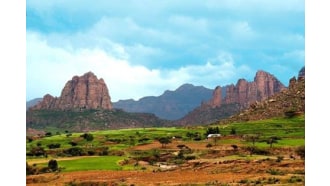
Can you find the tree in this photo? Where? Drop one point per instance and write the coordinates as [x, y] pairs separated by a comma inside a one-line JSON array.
[[48, 134], [87, 136], [212, 130], [252, 138], [272, 140], [164, 141], [233, 131], [52, 164]]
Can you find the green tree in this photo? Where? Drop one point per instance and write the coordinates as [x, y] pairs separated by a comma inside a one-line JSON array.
[[52, 164], [164, 141], [87, 136]]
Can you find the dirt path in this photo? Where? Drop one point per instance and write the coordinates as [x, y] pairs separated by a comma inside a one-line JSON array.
[[137, 177], [195, 172]]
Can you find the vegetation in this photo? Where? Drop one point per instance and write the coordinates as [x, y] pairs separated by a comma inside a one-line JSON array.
[[273, 141]]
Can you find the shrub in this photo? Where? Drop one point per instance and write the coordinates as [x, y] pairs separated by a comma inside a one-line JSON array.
[[235, 147], [91, 152], [279, 158], [30, 170], [48, 134], [164, 141], [209, 145], [72, 143], [52, 164], [74, 151], [191, 157], [301, 151], [274, 172], [37, 151], [87, 136], [54, 146], [233, 131]]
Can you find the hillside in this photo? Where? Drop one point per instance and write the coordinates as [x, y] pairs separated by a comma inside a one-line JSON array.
[[231, 99], [32, 102], [89, 120], [287, 103], [84, 105]]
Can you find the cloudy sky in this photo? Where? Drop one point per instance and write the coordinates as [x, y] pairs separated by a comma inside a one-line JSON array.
[[144, 47]]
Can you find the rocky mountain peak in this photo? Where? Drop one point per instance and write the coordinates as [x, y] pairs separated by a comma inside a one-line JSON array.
[[301, 73], [81, 92]]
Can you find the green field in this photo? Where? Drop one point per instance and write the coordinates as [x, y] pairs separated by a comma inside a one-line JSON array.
[[289, 131]]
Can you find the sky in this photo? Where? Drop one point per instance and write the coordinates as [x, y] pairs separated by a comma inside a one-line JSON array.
[[144, 47]]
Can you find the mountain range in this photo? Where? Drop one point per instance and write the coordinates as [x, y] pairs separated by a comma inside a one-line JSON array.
[[170, 105], [85, 104]]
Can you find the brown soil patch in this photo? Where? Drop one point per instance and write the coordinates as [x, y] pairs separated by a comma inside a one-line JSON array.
[[207, 172]]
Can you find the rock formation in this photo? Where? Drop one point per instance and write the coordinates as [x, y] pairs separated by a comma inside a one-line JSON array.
[[245, 93], [84, 92], [230, 99]]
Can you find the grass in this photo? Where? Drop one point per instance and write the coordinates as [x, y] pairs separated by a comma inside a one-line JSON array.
[[90, 163], [290, 131]]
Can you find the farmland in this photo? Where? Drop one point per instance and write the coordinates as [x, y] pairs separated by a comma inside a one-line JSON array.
[[247, 153]]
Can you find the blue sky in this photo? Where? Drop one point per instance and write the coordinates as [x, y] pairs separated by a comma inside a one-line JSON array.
[[144, 47]]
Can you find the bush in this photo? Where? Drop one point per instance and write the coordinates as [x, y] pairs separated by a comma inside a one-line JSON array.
[[72, 143], [74, 151], [190, 157], [235, 147], [279, 158], [209, 145], [37, 151], [91, 152], [233, 131], [52, 164], [54, 146], [30, 170], [301, 152], [87, 136]]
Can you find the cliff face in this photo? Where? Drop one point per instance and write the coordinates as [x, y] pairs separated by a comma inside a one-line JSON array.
[[82, 92], [288, 102], [230, 99], [245, 93]]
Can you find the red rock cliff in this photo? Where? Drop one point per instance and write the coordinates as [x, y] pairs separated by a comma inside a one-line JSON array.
[[86, 92], [245, 93]]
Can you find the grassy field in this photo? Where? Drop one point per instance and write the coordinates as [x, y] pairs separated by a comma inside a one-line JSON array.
[[289, 131]]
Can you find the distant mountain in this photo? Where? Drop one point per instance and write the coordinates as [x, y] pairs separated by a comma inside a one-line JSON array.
[[170, 105], [230, 99], [32, 102]]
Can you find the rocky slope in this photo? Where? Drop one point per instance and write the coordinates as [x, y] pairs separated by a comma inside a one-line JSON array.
[[32, 102], [82, 92], [287, 103], [230, 99], [170, 105]]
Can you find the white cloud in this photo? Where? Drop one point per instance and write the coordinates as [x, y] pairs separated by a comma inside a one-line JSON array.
[[54, 66]]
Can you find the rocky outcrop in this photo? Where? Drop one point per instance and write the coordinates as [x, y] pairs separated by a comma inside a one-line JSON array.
[[216, 98], [301, 73], [287, 103], [245, 93], [82, 92], [231, 99]]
